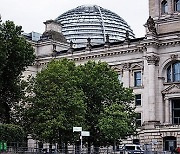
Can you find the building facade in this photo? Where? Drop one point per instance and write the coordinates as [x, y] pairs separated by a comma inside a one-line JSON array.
[[149, 65]]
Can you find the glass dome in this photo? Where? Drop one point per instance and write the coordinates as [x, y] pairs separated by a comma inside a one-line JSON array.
[[93, 22]]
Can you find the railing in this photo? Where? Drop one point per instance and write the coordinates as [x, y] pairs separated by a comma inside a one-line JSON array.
[[25, 150]]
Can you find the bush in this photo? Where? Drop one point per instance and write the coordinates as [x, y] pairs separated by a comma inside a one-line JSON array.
[[11, 133]]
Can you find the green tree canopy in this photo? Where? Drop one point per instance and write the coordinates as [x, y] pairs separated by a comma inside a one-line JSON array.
[[15, 55], [89, 95], [116, 122], [57, 104], [11, 133], [109, 104]]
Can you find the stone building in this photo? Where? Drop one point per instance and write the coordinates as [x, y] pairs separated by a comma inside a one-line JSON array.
[[149, 65]]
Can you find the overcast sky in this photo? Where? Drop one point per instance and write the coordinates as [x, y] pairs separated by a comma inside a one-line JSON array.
[[31, 14]]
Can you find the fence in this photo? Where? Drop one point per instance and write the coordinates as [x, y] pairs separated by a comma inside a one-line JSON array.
[[25, 150]]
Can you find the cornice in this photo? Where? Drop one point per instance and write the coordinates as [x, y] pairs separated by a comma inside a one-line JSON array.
[[106, 54], [86, 55], [161, 43], [170, 43], [91, 55], [111, 52], [154, 43]]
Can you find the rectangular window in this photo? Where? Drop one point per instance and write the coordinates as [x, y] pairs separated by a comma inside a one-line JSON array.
[[176, 71], [138, 119], [176, 111], [138, 99], [137, 79]]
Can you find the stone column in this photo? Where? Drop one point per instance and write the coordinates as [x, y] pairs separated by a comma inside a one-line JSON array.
[[166, 113], [157, 8], [152, 62], [160, 103], [170, 6]]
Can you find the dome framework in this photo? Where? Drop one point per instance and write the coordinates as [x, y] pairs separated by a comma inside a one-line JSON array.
[[93, 22]]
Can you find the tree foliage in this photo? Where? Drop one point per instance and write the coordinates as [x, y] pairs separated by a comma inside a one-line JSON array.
[[11, 133], [115, 122], [15, 55], [57, 104], [109, 113], [89, 95]]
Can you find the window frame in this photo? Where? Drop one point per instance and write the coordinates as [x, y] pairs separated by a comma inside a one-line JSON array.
[[136, 79], [138, 100], [164, 7], [177, 5], [175, 109], [173, 72], [139, 120]]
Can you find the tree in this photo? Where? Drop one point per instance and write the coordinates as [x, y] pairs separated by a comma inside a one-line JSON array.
[[116, 121], [64, 95], [57, 104], [11, 133], [15, 55], [107, 101]]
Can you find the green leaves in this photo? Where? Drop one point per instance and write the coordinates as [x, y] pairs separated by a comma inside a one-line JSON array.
[[109, 112], [11, 133], [89, 95], [15, 55], [115, 122], [58, 104]]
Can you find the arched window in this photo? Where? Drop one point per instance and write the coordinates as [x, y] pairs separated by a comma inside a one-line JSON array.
[[173, 72], [164, 6], [177, 5]]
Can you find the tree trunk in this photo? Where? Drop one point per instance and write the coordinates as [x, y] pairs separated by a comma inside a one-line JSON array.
[[89, 146], [66, 147], [60, 141], [96, 150]]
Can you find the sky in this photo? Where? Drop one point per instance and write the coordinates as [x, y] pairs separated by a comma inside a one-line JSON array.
[[31, 14]]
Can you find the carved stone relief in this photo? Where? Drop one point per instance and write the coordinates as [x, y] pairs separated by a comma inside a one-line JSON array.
[[153, 60]]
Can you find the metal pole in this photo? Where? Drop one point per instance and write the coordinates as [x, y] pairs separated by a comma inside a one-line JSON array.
[[81, 142]]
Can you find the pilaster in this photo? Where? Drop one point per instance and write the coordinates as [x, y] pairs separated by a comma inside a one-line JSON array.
[[152, 61], [126, 74], [170, 8], [167, 111]]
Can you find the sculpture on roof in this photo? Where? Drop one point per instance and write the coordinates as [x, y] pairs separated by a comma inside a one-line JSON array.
[[151, 25]]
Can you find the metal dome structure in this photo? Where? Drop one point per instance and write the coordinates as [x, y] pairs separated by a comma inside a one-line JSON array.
[[92, 21]]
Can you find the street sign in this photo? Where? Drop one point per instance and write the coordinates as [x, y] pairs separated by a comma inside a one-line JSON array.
[[85, 133], [77, 129]]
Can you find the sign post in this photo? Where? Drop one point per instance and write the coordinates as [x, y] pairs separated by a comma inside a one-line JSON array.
[[83, 133]]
